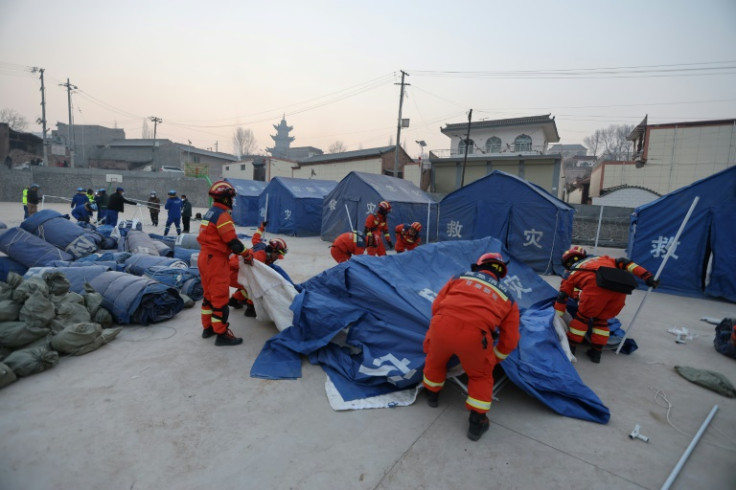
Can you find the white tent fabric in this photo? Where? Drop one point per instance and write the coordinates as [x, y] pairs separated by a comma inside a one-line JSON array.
[[271, 293]]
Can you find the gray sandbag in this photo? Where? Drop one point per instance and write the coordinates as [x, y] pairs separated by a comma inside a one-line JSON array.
[[14, 280], [29, 286], [82, 338], [14, 335], [57, 282], [9, 310], [38, 310], [103, 317], [6, 290], [4, 352], [7, 375], [93, 301], [33, 360], [68, 314], [70, 297], [711, 380]]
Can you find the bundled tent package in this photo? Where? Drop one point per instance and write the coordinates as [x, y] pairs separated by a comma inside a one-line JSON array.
[[245, 207], [705, 258], [526, 218], [138, 242], [53, 227], [358, 194], [30, 250], [294, 206], [368, 351], [8, 265]]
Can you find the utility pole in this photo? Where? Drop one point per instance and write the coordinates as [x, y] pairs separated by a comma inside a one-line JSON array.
[[398, 128], [70, 142], [43, 115], [156, 121], [467, 144]]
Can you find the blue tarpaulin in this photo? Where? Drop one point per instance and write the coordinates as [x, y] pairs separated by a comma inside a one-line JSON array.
[[526, 218], [709, 235], [361, 192], [56, 229], [245, 208], [378, 310], [294, 205], [28, 249]]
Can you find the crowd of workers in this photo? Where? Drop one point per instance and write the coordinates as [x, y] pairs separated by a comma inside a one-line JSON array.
[[474, 316]]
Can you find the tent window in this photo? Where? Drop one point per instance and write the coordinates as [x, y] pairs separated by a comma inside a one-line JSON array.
[[461, 146], [523, 143], [493, 145]]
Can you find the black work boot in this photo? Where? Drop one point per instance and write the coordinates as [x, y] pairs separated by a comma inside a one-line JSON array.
[[250, 310], [573, 346], [227, 338], [235, 303], [595, 354], [433, 398], [207, 332], [478, 425]]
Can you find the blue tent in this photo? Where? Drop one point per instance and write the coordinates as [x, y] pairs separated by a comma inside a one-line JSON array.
[[294, 205], [245, 207], [361, 192], [533, 224], [380, 308], [705, 259]]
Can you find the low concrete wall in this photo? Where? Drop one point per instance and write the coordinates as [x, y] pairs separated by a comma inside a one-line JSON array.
[[55, 181]]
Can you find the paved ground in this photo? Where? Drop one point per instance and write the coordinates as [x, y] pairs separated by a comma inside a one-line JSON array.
[[161, 408]]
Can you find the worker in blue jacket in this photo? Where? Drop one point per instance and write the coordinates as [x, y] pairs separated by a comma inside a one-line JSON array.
[[173, 206], [79, 198], [84, 212]]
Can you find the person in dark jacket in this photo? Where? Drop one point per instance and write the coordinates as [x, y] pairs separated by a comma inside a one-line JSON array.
[[33, 199], [79, 198], [101, 200], [116, 205], [84, 212], [154, 207], [186, 212], [173, 206]]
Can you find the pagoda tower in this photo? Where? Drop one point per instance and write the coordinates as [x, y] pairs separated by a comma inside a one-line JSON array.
[[281, 140]]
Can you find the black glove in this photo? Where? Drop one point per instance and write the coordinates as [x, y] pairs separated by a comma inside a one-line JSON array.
[[390, 245], [652, 282]]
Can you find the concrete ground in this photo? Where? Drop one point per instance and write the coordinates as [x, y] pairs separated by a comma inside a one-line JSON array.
[[161, 408]]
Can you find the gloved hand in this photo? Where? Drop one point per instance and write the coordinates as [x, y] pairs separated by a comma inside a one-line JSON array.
[[264, 224], [247, 256], [389, 245], [652, 282]]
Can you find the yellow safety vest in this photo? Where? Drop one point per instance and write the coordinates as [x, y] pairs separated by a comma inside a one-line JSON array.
[[25, 197]]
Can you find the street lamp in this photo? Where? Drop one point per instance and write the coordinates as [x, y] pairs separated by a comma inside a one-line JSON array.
[[421, 144]]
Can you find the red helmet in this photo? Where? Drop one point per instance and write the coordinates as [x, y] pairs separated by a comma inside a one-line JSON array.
[[278, 245], [493, 261], [574, 254], [416, 226], [222, 190], [384, 207]]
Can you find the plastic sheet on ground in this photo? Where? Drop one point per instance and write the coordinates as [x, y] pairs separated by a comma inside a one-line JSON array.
[[271, 294]]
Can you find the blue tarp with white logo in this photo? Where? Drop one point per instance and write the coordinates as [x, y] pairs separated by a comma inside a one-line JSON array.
[[365, 320], [359, 193], [705, 257], [526, 218], [245, 208], [294, 205]]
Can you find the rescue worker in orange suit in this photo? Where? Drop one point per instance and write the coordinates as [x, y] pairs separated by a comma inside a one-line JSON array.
[[596, 305], [268, 253], [407, 236], [218, 239], [470, 311], [346, 245], [375, 224]]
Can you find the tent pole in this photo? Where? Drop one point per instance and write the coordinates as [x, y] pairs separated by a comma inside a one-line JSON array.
[[686, 454], [670, 251], [598, 231], [349, 220]]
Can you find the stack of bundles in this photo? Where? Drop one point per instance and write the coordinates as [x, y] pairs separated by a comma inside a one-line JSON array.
[[30, 250], [40, 319], [133, 299], [53, 227], [186, 281], [137, 242], [78, 274]]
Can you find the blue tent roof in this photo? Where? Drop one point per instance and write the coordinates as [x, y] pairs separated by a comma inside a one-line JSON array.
[[383, 307], [245, 207], [708, 236], [530, 221], [294, 205], [361, 192]]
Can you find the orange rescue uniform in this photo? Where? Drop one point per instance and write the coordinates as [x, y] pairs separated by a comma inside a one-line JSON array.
[[375, 224], [465, 315], [404, 240], [596, 305], [345, 246]]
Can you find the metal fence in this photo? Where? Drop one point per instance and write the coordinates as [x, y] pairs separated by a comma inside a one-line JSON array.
[[614, 225]]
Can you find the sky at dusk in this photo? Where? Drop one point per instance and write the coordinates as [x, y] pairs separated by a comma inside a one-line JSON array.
[[332, 67]]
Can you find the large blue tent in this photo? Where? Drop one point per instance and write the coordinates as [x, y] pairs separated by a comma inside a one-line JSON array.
[[294, 206], [533, 224], [380, 308], [705, 258], [357, 195], [245, 207]]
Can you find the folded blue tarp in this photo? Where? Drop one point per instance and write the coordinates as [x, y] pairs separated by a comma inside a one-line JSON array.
[[133, 299], [384, 306], [30, 250], [138, 263], [76, 276], [8, 265], [54, 228]]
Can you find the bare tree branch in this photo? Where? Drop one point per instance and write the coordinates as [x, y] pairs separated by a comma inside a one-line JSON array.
[[14, 119], [244, 143], [337, 147]]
